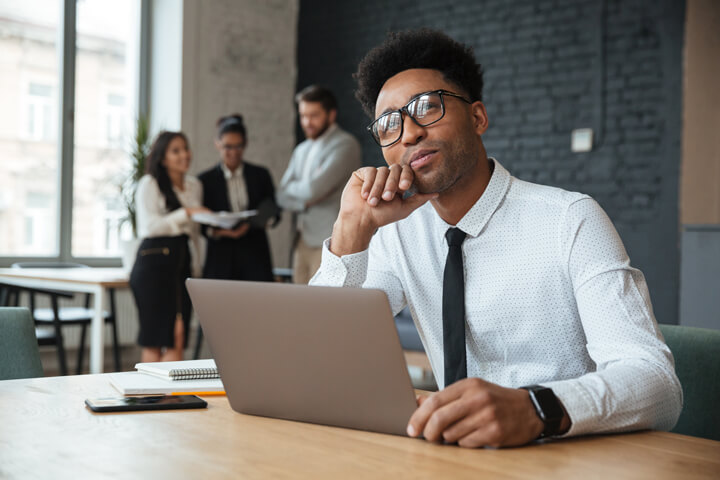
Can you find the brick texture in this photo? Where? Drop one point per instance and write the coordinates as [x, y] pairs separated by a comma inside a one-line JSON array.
[[550, 66]]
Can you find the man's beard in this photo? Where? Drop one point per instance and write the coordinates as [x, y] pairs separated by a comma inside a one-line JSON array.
[[458, 159], [320, 131]]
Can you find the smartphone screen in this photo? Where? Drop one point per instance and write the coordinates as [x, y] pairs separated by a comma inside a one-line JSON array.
[[154, 402]]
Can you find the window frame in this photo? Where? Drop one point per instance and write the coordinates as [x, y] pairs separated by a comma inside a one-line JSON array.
[[64, 128]]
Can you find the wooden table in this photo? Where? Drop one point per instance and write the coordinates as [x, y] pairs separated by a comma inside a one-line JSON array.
[[84, 280], [46, 432]]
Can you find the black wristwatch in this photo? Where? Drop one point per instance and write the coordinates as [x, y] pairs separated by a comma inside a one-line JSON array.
[[548, 408]]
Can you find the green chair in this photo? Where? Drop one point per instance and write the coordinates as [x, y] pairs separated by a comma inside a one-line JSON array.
[[19, 353], [697, 364]]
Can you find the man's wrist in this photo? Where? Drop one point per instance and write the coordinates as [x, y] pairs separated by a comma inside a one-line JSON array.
[[350, 236], [549, 409]]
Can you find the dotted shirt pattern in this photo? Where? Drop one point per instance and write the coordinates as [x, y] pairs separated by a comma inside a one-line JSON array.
[[550, 299]]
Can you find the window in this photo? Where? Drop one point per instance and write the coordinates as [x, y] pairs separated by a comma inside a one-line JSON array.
[[39, 229], [40, 112], [36, 165], [105, 78], [116, 121], [29, 166]]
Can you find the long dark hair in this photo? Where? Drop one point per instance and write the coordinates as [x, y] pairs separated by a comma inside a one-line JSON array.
[[157, 169]]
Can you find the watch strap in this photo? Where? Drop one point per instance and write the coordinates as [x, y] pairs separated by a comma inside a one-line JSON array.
[[548, 408]]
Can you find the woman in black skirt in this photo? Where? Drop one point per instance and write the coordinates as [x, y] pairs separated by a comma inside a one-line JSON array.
[[166, 198]]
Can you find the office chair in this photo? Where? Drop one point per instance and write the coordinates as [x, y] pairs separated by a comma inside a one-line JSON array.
[[19, 353], [57, 317], [697, 365]]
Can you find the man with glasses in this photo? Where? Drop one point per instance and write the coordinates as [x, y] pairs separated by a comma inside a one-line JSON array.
[[523, 295], [313, 182]]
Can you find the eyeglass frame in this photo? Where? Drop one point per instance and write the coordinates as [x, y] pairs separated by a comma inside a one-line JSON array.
[[228, 148], [404, 109]]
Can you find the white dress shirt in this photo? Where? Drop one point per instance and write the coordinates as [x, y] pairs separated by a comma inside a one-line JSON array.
[[550, 298], [153, 219], [237, 190]]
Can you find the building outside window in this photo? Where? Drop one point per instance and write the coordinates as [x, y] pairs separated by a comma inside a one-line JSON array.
[[105, 89]]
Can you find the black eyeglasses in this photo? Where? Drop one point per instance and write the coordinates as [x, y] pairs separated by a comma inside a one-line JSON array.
[[230, 147], [424, 109]]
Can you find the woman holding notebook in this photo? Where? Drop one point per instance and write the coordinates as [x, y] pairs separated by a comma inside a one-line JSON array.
[[166, 199], [234, 185]]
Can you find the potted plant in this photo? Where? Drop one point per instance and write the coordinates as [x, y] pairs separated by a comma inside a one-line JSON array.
[[139, 150]]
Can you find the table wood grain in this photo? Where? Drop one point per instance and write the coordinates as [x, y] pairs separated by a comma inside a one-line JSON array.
[[47, 432]]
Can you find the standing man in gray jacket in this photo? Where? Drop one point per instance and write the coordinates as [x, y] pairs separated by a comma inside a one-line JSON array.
[[313, 182]]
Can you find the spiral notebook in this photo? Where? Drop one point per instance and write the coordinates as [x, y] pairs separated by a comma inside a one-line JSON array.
[[181, 370]]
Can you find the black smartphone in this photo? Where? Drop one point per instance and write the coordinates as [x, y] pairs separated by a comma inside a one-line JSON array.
[[154, 402]]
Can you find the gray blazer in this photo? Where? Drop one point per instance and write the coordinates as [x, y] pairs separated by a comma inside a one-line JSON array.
[[332, 159]]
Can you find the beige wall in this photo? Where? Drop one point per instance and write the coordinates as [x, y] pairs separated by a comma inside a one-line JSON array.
[[239, 56], [700, 175]]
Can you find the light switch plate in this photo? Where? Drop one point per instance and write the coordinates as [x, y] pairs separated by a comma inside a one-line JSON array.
[[581, 140]]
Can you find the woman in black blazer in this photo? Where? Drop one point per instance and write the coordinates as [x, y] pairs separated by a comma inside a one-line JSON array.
[[242, 253]]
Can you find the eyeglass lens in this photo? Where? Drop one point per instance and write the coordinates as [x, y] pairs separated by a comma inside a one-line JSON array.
[[425, 109]]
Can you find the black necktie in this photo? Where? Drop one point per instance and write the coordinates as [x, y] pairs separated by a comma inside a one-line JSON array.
[[453, 309]]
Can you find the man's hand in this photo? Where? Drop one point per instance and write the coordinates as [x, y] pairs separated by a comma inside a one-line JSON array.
[[475, 413], [372, 198]]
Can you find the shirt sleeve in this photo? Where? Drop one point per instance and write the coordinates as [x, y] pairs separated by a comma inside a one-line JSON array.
[[152, 219], [634, 385], [285, 200], [334, 171], [366, 269]]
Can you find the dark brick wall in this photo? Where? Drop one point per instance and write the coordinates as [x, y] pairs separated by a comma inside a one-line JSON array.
[[550, 66]]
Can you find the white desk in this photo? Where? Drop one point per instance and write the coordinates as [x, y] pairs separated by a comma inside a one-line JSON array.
[[84, 280]]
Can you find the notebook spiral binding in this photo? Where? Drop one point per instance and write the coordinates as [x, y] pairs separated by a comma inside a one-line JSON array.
[[194, 373]]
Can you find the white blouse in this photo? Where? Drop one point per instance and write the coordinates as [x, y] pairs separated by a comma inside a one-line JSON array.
[[153, 219]]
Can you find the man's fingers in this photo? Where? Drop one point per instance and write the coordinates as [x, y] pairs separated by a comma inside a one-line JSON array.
[[420, 417], [475, 421], [477, 438], [444, 418], [406, 178], [381, 175], [366, 176], [391, 184]]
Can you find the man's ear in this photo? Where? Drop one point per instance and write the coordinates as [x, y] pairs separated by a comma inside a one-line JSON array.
[[332, 115], [218, 145], [480, 118]]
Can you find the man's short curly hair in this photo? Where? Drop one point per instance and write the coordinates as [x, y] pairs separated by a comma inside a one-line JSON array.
[[422, 48]]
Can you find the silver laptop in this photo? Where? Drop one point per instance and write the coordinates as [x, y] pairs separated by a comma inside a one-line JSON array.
[[313, 354]]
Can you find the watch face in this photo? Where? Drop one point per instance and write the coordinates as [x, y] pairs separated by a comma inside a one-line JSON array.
[[549, 404]]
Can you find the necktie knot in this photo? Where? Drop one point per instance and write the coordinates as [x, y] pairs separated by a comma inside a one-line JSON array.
[[455, 237]]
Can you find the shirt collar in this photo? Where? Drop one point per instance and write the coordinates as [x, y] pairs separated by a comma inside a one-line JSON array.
[[480, 213], [229, 173]]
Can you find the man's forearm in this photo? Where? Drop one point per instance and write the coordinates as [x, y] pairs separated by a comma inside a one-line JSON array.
[[350, 235]]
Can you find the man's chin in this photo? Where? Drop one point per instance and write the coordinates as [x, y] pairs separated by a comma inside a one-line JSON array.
[[423, 187], [429, 185]]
